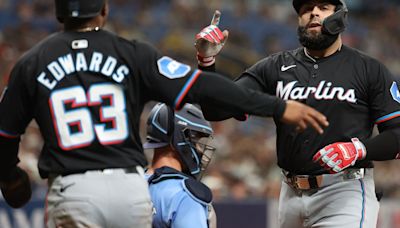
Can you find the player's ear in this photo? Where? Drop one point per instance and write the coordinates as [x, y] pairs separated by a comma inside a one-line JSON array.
[[105, 10]]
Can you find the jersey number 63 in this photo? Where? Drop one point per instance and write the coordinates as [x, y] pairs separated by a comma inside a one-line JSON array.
[[79, 116]]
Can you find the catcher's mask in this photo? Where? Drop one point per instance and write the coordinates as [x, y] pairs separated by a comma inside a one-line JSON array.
[[335, 23], [186, 131], [78, 8]]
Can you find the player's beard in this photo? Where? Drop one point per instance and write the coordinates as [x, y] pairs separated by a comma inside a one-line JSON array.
[[316, 42]]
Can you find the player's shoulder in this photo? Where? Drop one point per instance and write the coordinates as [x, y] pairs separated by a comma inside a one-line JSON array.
[[180, 185], [282, 57], [38, 48], [355, 54], [372, 67], [145, 49], [138, 44], [30, 59]]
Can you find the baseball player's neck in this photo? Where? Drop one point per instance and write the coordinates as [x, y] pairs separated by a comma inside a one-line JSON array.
[[165, 157], [93, 24], [336, 46]]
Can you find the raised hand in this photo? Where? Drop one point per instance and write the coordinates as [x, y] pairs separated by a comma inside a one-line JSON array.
[[210, 41]]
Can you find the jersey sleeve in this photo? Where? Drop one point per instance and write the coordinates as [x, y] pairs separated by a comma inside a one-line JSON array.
[[163, 78], [384, 95], [174, 83], [260, 76], [16, 106], [190, 214]]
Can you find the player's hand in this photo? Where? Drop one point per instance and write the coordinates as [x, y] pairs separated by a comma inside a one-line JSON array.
[[303, 116], [209, 41], [338, 156], [17, 192]]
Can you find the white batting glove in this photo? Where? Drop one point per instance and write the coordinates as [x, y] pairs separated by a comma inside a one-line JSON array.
[[210, 41]]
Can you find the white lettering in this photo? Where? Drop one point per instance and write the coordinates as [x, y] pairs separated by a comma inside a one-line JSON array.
[[297, 93], [324, 91], [109, 66], [283, 92], [46, 82], [310, 90], [81, 64], [56, 70], [349, 96], [318, 94], [97, 58], [67, 63], [122, 71]]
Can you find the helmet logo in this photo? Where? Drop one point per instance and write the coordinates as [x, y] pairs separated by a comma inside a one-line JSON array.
[[180, 122]]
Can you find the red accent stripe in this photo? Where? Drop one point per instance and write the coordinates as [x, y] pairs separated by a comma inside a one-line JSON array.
[[188, 86], [389, 118], [5, 135], [219, 34]]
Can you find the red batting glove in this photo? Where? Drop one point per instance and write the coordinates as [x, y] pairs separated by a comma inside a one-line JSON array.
[[210, 41], [338, 156]]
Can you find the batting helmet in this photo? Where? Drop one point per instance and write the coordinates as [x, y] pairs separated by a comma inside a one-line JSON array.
[[335, 23], [186, 131], [78, 8]]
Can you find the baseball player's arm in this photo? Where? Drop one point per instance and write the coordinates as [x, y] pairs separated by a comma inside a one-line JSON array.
[[175, 84], [190, 214], [384, 107], [14, 181], [250, 101], [16, 109], [220, 92]]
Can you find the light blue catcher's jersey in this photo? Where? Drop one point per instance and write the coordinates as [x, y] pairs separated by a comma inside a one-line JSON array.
[[176, 206]]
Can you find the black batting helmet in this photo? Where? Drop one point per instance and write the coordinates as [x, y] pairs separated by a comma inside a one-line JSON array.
[[78, 8], [335, 23], [186, 131]]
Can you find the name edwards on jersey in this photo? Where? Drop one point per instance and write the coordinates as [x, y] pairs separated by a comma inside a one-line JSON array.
[[65, 65], [324, 91]]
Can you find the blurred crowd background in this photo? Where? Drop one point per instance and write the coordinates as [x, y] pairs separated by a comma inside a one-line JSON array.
[[244, 166]]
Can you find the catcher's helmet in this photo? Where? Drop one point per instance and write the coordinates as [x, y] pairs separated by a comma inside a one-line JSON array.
[[335, 23], [186, 131], [78, 8]]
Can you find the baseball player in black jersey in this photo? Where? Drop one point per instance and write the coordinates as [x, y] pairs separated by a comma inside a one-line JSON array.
[[328, 178], [86, 89]]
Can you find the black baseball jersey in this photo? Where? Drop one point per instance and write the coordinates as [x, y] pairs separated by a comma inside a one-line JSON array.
[[87, 91], [353, 90]]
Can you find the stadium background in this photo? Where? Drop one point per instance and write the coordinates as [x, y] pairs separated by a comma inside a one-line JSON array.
[[243, 175]]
